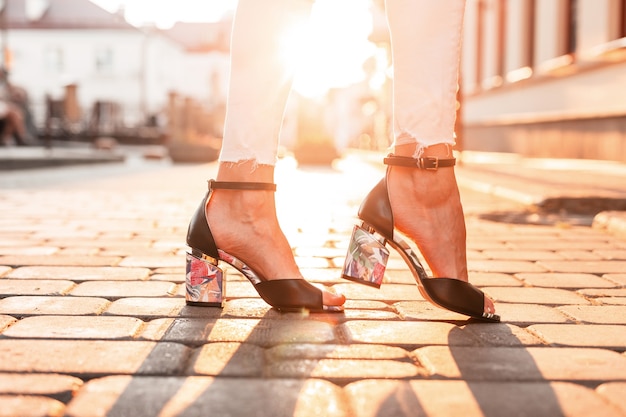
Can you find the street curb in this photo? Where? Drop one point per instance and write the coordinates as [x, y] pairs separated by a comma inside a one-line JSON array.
[[614, 222]]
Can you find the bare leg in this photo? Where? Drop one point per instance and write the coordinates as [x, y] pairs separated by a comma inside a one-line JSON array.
[[426, 39], [244, 224], [427, 208]]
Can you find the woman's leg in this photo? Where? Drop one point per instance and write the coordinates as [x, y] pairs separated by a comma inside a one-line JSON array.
[[426, 42], [244, 224]]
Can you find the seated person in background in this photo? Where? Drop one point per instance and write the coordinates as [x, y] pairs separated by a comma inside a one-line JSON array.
[[12, 125], [16, 122]]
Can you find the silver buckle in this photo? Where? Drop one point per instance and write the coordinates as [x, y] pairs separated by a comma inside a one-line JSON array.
[[430, 163]]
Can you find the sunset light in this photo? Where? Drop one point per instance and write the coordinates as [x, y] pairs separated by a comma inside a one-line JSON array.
[[329, 51], [334, 47]]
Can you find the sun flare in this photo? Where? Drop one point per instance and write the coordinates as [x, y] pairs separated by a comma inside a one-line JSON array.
[[330, 50]]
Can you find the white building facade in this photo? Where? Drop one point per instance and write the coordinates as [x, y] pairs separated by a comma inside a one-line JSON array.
[[545, 77], [106, 58]]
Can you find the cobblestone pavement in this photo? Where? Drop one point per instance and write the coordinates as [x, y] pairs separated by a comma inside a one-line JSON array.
[[93, 320]]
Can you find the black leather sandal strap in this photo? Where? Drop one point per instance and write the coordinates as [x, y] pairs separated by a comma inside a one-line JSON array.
[[428, 162], [227, 185]]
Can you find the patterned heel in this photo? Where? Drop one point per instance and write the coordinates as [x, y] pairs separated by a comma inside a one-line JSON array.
[[367, 254], [367, 257], [204, 281]]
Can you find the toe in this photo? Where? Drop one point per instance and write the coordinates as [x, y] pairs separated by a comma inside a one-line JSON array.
[[332, 299]]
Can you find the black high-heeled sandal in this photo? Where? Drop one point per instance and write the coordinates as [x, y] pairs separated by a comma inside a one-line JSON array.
[[367, 254], [205, 280]]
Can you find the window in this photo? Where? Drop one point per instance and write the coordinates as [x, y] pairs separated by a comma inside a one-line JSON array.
[[104, 60], [570, 12], [54, 60], [618, 19], [480, 35], [520, 39]]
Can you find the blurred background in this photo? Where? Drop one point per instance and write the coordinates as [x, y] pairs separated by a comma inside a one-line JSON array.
[[539, 77]]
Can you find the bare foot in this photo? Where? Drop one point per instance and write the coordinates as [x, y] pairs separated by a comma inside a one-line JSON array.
[[244, 224], [427, 208]]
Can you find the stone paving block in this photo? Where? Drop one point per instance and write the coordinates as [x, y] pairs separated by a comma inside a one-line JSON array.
[[259, 332], [155, 261], [81, 327], [169, 244], [614, 392], [59, 260], [612, 300], [596, 314], [617, 278], [6, 321], [344, 370], [548, 296], [424, 310], [615, 254], [82, 251], [525, 314], [176, 278], [178, 271], [238, 289], [407, 334], [590, 335], [227, 359], [353, 314], [59, 387], [135, 252], [4, 270], [523, 364], [117, 289], [10, 287], [480, 244], [494, 279], [559, 280], [579, 255], [257, 308], [507, 267], [387, 292], [247, 308], [29, 250], [196, 396], [521, 255], [609, 292], [366, 305], [559, 244], [502, 334], [591, 267], [50, 305], [75, 273], [155, 307], [100, 243], [376, 398], [89, 358], [30, 406], [292, 351]]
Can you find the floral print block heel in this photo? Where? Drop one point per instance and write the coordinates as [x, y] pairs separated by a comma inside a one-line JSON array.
[[367, 258], [204, 281], [367, 252]]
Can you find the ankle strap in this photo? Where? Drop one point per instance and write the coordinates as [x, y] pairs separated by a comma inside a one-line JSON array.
[[226, 185], [431, 163]]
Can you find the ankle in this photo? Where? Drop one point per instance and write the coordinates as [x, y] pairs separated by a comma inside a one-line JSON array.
[[245, 171], [440, 150]]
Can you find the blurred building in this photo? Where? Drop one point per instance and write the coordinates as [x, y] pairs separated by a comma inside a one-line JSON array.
[[52, 47], [545, 78]]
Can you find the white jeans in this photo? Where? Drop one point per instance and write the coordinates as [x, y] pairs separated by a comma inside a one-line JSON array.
[[425, 39]]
